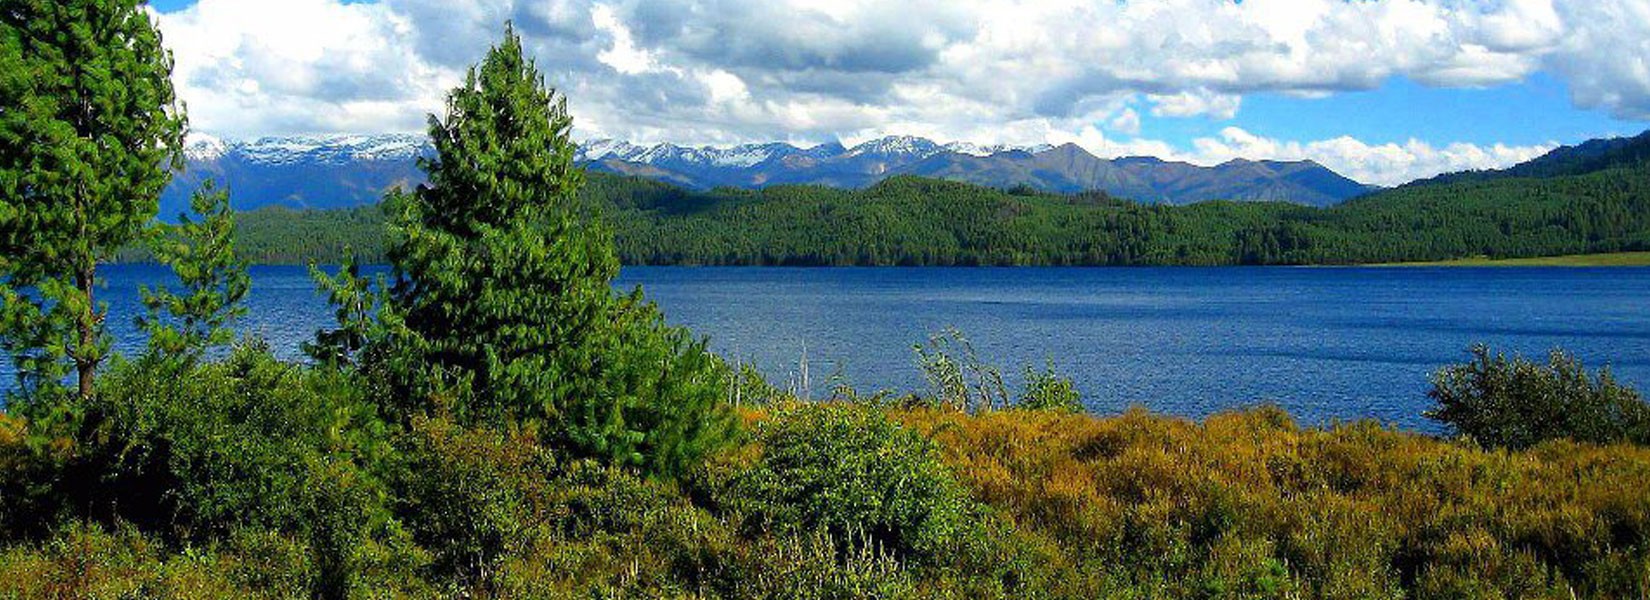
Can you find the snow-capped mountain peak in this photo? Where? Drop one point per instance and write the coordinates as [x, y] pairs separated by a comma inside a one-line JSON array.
[[897, 145], [324, 149], [202, 147]]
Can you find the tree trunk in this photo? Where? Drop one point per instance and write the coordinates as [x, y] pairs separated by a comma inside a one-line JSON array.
[[85, 359]]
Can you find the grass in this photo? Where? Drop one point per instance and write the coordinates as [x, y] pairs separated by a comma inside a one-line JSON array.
[[1614, 259]]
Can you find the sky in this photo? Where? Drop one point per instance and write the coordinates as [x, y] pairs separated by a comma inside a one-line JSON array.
[[1383, 91]]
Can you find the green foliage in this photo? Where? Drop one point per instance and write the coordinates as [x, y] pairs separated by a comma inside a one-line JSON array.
[[911, 221], [852, 473], [355, 301], [246, 443], [502, 311], [1517, 403], [502, 290], [86, 560], [33, 461], [468, 494], [214, 281], [1048, 390], [957, 378], [89, 132]]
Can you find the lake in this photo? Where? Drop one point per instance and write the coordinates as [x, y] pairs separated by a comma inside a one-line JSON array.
[[1323, 343]]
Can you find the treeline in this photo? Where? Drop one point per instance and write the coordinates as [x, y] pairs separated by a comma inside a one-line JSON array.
[[909, 221]]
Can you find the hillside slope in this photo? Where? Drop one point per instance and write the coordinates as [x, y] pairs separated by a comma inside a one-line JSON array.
[[909, 220]]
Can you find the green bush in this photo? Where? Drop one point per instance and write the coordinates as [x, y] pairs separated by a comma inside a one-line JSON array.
[[1048, 390], [467, 494], [32, 468], [1517, 403], [957, 378], [852, 473], [195, 454]]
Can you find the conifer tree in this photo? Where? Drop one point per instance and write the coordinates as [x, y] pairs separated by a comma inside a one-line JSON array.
[[355, 301], [89, 134], [201, 251], [502, 309]]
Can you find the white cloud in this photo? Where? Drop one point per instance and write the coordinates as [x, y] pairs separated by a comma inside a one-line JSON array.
[[1126, 122], [990, 71], [1381, 164], [1194, 104], [1607, 64], [248, 68], [623, 56]]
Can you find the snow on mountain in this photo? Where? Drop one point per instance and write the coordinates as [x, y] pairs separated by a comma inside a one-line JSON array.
[[898, 145], [973, 149], [327, 171], [603, 148], [328, 149], [342, 149], [202, 147]]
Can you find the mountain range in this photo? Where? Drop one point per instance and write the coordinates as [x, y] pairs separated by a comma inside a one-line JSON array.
[[352, 170]]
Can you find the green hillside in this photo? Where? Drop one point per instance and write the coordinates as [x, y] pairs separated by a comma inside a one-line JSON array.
[[914, 221]]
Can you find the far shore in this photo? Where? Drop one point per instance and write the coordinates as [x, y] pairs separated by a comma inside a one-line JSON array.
[[1614, 259]]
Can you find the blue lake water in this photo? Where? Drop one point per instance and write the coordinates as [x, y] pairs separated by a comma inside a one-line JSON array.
[[1324, 343]]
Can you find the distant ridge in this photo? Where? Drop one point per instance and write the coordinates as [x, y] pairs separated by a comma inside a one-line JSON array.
[[339, 171], [1587, 157], [343, 171], [1067, 168]]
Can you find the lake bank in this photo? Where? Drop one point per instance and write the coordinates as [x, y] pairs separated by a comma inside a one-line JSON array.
[[1614, 259]]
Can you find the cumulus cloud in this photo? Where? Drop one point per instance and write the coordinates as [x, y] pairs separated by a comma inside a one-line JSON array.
[[1192, 104], [1380, 164], [249, 68], [989, 71]]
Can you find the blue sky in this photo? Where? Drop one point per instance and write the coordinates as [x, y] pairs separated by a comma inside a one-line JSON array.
[[1532, 111], [1382, 90]]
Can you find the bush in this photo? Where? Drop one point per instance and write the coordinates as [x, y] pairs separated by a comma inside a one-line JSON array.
[[31, 474], [1048, 390], [467, 493], [195, 454], [852, 473], [957, 378], [1518, 403]]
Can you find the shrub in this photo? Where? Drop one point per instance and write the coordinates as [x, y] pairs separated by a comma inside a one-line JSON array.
[[957, 378], [1248, 504], [194, 455], [467, 494], [1517, 403], [86, 560], [857, 476], [31, 475], [1048, 390]]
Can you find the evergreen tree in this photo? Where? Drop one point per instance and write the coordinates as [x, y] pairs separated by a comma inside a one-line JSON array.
[[355, 301], [502, 308], [89, 133], [183, 325]]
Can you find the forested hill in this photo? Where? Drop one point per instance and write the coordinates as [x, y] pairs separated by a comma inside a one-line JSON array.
[[916, 221], [1587, 157]]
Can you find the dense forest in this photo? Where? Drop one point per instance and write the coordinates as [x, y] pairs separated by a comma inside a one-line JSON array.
[[914, 221]]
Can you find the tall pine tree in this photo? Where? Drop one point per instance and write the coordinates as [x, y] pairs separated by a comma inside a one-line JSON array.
[[502, 310], [89, 133]]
